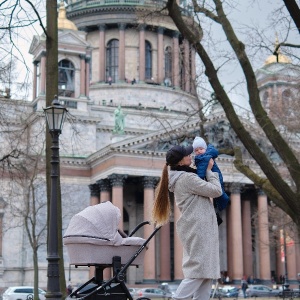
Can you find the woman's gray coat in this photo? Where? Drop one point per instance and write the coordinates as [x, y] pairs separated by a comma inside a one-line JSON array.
[[197, 226]]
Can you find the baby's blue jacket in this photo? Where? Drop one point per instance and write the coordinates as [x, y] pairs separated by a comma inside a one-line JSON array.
[[201, 163]]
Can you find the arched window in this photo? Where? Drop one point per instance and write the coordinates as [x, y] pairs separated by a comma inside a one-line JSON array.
[[289, 103], [66, 73], [168, 66], [265, 100], [148, 63], [112, 61]]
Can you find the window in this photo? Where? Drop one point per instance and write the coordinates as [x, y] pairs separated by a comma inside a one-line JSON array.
[[38, 78], [168, 62], [265, 99], [289, 103], [148, 63], [112, 60], [66, 72], [168, 66], [70, 104]]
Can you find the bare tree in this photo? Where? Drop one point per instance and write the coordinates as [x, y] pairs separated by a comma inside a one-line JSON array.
[[31, 209], [285, 195], [16, 17]]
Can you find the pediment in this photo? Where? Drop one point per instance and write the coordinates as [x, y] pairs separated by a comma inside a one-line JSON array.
[[35, 43], [218, 131], [72, 38]]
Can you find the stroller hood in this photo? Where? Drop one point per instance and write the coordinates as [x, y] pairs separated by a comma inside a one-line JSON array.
[[97, 221]]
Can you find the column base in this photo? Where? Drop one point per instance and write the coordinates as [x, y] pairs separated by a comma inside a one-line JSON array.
[[149, 281]]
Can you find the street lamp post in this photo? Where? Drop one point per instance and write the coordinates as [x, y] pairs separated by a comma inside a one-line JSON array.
[[55, 116]]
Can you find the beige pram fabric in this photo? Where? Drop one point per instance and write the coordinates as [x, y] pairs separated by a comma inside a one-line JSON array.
[[92, 237]]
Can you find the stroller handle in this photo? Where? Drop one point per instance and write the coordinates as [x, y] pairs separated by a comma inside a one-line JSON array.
[[138, 227]]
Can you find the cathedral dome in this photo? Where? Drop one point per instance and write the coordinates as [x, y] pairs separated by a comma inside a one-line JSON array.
[[282, 59], [62, 21], [279, 58]]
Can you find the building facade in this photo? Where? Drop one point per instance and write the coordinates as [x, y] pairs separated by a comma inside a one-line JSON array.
[[128, 80]]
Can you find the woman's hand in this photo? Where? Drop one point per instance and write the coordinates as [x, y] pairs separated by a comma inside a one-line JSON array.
[[210, 164]]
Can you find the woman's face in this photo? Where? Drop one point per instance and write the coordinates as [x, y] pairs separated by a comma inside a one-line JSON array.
[[186, 161]]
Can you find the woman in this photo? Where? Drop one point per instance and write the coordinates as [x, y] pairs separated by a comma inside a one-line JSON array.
[[197, 226]]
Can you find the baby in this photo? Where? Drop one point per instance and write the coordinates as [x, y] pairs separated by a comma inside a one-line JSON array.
[[203, 154]]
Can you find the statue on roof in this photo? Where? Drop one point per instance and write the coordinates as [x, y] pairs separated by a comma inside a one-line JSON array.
[[119, 120]]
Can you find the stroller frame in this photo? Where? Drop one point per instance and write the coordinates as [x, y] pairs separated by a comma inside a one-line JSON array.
[[115, 288]]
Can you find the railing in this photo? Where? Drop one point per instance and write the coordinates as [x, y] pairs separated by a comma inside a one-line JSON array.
[[77, 5]]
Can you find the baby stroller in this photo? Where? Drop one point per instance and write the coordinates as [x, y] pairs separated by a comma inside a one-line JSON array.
[[92, 239]]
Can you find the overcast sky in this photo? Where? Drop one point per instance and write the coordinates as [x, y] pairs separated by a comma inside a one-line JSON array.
[[243, 14]]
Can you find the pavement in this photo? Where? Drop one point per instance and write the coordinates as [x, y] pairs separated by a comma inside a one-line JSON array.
[[261, 298]]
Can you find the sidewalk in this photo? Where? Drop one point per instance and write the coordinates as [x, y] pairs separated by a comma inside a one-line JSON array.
[[261, 298]]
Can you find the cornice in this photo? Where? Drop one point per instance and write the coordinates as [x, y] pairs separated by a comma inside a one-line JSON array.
[[100, 9]]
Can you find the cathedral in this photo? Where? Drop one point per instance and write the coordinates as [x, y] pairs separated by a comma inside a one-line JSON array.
[[127, 77]]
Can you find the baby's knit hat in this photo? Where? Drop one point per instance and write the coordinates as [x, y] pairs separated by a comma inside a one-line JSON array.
[[199, 142]]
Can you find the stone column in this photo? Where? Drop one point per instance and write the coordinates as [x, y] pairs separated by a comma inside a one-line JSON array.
[[94, 199], [279, 253], [160, 55], [263, 237], [35, 63], [95, 193], [117, 181], [175, 67], [87, 76], [178, 249], [2, 207], [223, 242], [43, 74], [104, 187], [229, 242], [291, 258], [236, 233], [165, 253], [101, 52], [186, 65], [122, 27], [247, 238], [297, 245], [149, 260], [142, 59], [82, 75]]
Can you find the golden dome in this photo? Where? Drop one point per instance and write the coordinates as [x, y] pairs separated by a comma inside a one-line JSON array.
[[62, 21], [279, 58]]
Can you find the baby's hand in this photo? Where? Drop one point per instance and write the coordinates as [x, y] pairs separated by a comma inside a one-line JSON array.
[[210, 164]]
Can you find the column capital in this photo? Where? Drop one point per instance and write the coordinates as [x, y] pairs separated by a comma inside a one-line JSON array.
[[142, 27], [122, 26], [160, 30], [176, 34], [43, 54], [235, 188], [104, 185], [83, 28], [87, 59], [102, 27], [82, 56], [36, 63], [260, 192], [150, 182], [94, 189], [117, 179]]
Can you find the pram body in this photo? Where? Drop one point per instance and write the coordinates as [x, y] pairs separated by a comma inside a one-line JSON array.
[[92, 239]]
